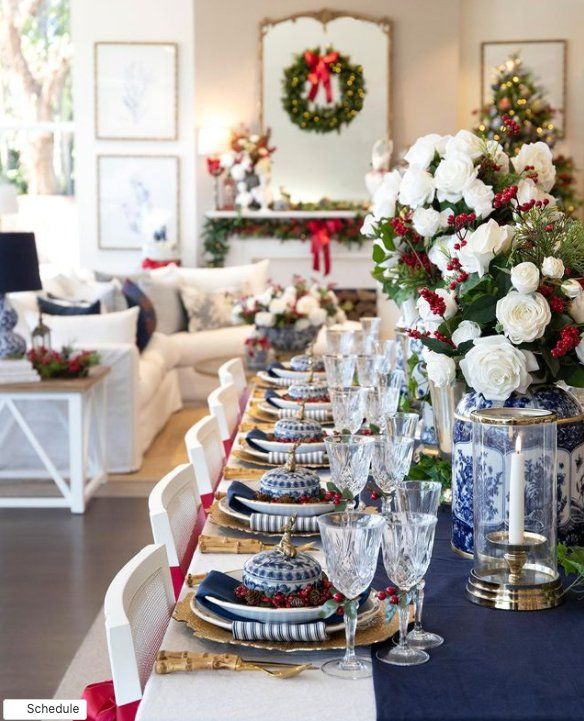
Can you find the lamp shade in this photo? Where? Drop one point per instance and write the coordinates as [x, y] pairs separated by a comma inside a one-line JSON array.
[[213, 140], [8, 199], [19, 263]]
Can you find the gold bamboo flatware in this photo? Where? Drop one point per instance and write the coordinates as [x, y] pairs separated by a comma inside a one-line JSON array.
[[242, 474], [253, 425], [228, 544], [173, 661], [195, 579]]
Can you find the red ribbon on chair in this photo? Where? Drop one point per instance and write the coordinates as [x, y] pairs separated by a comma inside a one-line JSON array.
[[319, 72], [321, 232], [101, 703], [150, 264]]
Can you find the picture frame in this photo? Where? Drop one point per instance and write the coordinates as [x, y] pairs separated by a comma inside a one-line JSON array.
[[137, 196], [136, 90], [547, 60]]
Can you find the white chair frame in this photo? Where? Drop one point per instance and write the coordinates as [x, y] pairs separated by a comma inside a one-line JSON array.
[[206, 453], [232, 371], [128, 582], [223, 403]]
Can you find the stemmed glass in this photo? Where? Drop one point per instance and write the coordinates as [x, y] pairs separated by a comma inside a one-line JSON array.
[[387, 351], [403, 424], [339, 341], [420, 497], [340, 369], [368, 369], [371, 326], [349, 457], [348, 407], [351, 545], [390, 462], [408, 539]]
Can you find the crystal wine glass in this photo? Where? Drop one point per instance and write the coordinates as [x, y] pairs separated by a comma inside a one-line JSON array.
[[349, 457], [368, 369], [371, 326], [403, 424], [339, 341], [390, 462], [387, 350], [420, 497], [351, 546], [408, 539], [348, 407], [340, 369]]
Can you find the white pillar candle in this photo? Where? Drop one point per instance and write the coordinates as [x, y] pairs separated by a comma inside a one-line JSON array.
[[517, 495]]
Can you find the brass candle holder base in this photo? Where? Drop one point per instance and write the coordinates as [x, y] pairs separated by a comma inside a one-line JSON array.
[[518, 586]]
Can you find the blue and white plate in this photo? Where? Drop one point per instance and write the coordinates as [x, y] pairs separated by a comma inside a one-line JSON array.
[[283, 447], [278, 402]]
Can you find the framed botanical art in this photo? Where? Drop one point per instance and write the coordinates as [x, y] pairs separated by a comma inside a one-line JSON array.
[[136, 94], [138, 200], [545, 59]]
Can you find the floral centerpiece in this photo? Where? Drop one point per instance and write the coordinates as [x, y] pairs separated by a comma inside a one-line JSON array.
[[291, 316], [257, 349], [66, 363], [248, 163]]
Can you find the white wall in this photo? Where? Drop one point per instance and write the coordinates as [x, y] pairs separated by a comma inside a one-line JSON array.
[[133, 20]]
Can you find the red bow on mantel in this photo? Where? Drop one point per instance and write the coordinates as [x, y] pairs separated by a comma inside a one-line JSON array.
[[319, 72], [320, 241]]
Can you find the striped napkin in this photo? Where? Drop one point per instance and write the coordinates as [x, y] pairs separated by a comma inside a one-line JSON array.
[[282, 382], [271, 523], [256, 631], [320, 414], [278, 457]]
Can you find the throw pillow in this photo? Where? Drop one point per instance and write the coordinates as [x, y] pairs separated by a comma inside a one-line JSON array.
[[62, 306], [205, 310], [247, 279], [88, 330], [147, 315]]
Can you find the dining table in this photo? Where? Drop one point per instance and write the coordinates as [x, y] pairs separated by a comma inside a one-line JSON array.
[[493, 666]]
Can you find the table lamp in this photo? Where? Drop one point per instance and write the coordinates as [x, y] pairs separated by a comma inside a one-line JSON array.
[[19, 270], [212, 141]]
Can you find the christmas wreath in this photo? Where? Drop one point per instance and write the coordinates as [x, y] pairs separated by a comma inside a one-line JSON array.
[[318, 70]]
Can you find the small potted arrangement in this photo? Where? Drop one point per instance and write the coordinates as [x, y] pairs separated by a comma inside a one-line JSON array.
[[290, 317], [66, 363]]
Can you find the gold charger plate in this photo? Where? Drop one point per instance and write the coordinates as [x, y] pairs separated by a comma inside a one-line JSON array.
[[221, 519], [243, 455], [374, 631]]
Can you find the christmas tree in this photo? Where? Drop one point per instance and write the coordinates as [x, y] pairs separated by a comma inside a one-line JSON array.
[[519, 113]]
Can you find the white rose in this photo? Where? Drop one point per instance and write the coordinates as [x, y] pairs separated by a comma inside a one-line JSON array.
[[264, 319], [440, 368], [571, 288], [467, 330], [524, 316], [317, 316], [422, 152], [552, 267], [278, 306], [444, 215], [417, 188], [426, 221], [482, 245], [576, 308], [306, 304], [453, 175], [525, 277], [302, 324], [384, 198], [580, 351], [540, 157], [391, 260], [466, 143], [496, 368], [527, 190], [495, 151], [479, 198], [369, 227], [426, 313], [439, 255]]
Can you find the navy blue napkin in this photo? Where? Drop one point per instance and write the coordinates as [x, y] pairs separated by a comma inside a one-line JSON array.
[[252, 435], [237, 488], [271, 367], [220, 585], [270, 394]]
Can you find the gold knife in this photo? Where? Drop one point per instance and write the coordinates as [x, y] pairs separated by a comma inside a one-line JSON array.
[[171, 661], [228, 544]]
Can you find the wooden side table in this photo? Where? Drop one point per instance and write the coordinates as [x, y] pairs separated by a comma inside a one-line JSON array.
[[85, 400]]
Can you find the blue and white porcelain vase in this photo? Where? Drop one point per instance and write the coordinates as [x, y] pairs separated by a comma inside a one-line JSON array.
[[288, 337], [570, 462]]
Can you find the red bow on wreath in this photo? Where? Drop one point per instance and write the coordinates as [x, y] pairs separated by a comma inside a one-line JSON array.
[[319, 72], [320, 240]]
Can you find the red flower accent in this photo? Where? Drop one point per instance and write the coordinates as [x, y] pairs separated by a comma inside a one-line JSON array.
[[568, 340]]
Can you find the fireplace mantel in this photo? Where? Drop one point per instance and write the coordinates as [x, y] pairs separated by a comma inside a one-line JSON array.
[[283, 214]]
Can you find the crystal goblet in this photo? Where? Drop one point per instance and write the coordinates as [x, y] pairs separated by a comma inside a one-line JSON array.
[[349, 458], [390, 462], [403, 424], [420, 497], [351, 546], [339, 341], [348, 407], [368, 369], [340, 369], [408, 539]]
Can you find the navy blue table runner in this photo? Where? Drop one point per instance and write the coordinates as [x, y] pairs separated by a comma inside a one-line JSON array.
[[494, 665]]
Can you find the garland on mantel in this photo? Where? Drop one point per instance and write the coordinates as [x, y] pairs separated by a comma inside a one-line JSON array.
[[218, 231]]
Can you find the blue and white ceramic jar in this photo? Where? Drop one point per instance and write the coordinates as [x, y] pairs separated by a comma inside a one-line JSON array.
[[273, 572], [570, 462], [288, 337], [287, 481]]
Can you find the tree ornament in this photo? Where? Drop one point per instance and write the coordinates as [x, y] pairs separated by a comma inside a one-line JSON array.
[[317, 71]]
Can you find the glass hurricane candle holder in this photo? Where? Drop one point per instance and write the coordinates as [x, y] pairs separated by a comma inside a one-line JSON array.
[[514, 507]]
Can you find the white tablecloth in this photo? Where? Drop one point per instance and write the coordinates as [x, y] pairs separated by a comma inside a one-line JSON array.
[[248, 695]]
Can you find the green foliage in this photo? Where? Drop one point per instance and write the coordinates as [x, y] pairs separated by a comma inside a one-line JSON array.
[[431, 468], [572, 561], [323, 118]]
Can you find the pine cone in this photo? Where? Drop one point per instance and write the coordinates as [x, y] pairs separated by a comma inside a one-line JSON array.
[[314, 598], [253, 598], [296, 602]]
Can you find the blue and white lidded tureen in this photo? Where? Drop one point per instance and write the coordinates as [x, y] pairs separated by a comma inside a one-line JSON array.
[[290, 480], [307, 362], [308, 391], [291, 430]]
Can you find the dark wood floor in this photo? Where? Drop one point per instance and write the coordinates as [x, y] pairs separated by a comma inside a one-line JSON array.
[[54, 571]]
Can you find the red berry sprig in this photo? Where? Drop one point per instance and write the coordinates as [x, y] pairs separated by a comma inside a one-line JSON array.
[[417, 334], [568, 340], [436, 302], [463, 220], [444, 339], [505, 196], [391, 594], [557, 304], [511, 127]]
